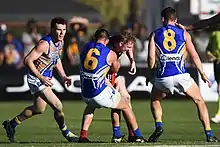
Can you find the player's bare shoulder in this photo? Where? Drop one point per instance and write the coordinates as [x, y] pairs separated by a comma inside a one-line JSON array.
[[112, 56], [42, 46]]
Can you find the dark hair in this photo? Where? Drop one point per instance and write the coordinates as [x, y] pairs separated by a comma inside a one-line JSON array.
[[168, 13], [57, 20], [101, 33], [31, 23]]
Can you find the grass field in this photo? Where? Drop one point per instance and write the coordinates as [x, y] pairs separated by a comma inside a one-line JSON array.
[[181, 125]]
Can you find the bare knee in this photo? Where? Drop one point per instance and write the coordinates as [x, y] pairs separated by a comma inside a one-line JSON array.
[[198, 100], [39, 111], [155, 103]]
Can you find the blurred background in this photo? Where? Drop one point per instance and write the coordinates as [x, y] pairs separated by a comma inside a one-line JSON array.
[[24, 23]]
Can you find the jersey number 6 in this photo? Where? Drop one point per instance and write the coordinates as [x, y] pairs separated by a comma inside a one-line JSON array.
[[91, 61]]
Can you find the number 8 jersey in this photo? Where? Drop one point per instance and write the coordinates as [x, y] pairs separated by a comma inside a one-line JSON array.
[[93, 69], [170, 51]]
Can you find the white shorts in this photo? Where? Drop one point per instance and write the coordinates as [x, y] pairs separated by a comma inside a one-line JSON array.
[[179, 83], [108, 98], [35, 84]]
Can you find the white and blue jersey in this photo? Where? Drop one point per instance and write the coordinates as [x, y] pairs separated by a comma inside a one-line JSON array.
[[93, 69], [46, 62], [170, 51]]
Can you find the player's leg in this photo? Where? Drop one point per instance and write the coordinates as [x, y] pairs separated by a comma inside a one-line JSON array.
[[116, 116], [38, 107], [124, 105], [86, 122], [194, 93], [124, 93], [216, 119], [52, 100], [110, 98], [156, 110]]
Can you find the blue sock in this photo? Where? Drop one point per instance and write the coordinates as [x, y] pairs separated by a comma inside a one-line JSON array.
[[15, 122], [64, 129], [117, 131], [137, 133], [158, 124], [208, 133]]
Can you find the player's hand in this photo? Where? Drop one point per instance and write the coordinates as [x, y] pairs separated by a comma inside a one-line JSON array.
[[133, 69], [206, 79], [186, 28], [181, 26], [46, 81], [67, 81]]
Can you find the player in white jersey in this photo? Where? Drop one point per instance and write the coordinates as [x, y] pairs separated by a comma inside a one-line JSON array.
[[41, 61], [168, 48]]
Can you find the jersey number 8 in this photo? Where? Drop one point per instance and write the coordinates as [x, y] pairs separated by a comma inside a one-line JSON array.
[[91, 62], [169, 41]]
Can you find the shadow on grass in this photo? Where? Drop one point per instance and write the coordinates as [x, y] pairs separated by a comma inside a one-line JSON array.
[[46, 142]]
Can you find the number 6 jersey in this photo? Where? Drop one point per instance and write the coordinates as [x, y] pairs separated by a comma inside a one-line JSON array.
[[93, 69], [170, 51]]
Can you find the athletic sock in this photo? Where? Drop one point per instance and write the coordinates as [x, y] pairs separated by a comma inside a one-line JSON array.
[[116, 131], [158, 124], [208, 132], [137, 132], [83, 134], [15, 122], [64, 129]]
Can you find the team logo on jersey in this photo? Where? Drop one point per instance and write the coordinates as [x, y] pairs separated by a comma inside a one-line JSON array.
[[170, 57]]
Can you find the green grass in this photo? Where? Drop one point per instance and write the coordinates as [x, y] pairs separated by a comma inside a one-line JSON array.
[[181, 125]]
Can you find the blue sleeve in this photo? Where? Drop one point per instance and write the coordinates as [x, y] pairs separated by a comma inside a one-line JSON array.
[[18, 46]]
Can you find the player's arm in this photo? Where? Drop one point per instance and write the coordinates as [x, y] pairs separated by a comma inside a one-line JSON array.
[[61, 72], [34, 55], [204, 23], [59, 68], [41, 48], [113, 60], [151, 52], [130, 55], [151, 58], [59, 65], [192, 52], [195, 57]]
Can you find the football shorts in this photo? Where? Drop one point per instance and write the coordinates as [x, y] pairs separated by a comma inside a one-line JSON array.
[[179, 83], [35, 84], [108, 98]]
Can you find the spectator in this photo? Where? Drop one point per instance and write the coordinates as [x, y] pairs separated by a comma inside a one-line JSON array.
[[31, 36], [13, 50], [3, 30], [135, 28], [73, 52], [141, 50], [75, 39]]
